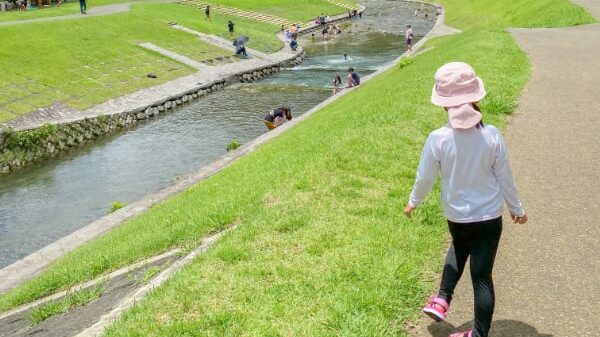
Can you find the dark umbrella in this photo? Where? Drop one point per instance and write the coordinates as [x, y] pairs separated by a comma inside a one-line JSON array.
[[240, 40]]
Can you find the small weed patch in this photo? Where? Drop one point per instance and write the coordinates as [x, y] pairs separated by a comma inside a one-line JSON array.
[[234, 144], [116, 205], [63, 305]]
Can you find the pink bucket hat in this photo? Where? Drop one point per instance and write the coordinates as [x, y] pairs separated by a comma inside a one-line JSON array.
[[456, 86]]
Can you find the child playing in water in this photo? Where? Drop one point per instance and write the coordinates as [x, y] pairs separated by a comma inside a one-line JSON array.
[[409, 37], [337, 81], [476, 178]]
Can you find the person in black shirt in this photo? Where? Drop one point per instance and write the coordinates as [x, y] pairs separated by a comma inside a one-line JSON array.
[[231, 27], [277, 117], [207, 13], [240, 50]]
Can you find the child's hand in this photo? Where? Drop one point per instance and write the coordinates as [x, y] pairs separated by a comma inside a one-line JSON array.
[[408, 209], [519, 219]]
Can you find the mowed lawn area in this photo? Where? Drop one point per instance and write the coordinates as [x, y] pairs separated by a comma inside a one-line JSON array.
[[66, 8], [83, 62], [299, 11], [322, 247]]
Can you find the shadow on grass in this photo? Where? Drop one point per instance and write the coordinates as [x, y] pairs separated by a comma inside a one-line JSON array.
[[501, 328]]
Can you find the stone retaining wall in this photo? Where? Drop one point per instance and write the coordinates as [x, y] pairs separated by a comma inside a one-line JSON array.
[[19, 149]]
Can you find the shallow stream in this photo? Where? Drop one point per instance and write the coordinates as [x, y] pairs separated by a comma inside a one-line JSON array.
[[45, 202]]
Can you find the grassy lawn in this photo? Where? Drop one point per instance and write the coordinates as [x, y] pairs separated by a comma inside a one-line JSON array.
[[326, 251], [67, 8], [83, 62], [517, 13], [322, 247], [297, 10]]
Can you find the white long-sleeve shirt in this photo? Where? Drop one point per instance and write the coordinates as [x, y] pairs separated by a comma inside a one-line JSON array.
[[476, 175]]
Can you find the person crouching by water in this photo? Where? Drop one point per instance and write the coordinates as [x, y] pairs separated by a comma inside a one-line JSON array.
[[241, 51], [353, 78], [277, 117]]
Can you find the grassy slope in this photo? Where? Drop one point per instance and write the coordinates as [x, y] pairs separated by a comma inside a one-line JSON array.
[[67, 8], [303, 11], [88, 61], [325, 250], [516, 13]]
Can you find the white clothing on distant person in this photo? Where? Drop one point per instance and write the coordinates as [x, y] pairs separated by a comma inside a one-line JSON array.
[[476, 176]]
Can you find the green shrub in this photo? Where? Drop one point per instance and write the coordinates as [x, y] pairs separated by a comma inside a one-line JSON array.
[[116, 205], [234, 144], [404, 62]]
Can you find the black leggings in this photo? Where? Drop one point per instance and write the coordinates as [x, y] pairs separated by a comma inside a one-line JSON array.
[[479, 241]]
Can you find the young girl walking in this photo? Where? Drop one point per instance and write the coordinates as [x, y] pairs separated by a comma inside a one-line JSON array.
[[476, 178]]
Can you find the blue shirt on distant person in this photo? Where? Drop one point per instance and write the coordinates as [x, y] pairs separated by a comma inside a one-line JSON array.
[[353, 78]]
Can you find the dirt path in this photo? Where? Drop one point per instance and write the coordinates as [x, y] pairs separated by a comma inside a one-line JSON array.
[[548, 272]]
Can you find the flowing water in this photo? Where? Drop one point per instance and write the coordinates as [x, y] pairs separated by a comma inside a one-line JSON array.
[[42, 203]]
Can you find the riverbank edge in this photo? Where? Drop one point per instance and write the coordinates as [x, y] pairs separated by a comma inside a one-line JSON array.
[[24, 145], [28, 267]]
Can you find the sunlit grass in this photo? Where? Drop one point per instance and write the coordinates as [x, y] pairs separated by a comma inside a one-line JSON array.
[[67, 8], [465, 14], [84, 62], [63, 305], [322, 247], [297, 10]]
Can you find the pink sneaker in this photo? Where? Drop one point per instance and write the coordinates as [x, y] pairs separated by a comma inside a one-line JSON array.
[[467, 333], [437, 309]]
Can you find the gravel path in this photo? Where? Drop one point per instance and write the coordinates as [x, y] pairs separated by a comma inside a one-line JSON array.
[[548, 272]]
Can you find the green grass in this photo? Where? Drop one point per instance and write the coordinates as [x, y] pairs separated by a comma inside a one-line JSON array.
[[63, 305], [322, 248], [327, 251], [83, 62], [115, 206], [327, 162], [149, 274], [465, 14], [297, 10], [67, 8]]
